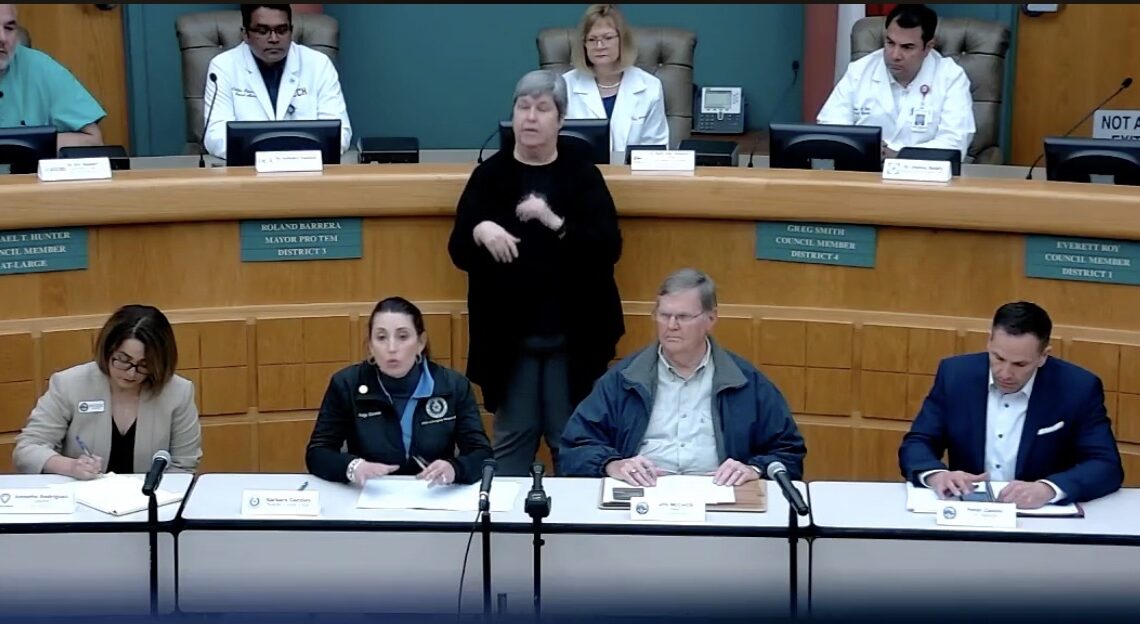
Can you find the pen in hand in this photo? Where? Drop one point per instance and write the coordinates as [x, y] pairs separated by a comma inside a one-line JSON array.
[[421, 461], [83, 447]]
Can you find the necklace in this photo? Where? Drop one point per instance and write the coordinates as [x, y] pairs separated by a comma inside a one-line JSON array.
[[613, 86]]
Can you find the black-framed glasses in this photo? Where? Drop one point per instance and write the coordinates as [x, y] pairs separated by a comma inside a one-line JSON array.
[[125, 364], [262, 30]]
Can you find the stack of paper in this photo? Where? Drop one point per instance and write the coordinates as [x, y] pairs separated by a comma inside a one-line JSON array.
[[117, 495], [672, 487], [924, 500], [395, 493]]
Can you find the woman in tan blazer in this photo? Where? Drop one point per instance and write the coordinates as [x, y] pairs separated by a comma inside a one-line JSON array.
[[114, 413]]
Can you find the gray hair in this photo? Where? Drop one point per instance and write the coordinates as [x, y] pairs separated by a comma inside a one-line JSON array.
[[542, 82], [688, 279]]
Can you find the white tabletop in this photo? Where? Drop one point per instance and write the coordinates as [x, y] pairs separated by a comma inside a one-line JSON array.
[[173, 482], [217, 498], [881, 507]]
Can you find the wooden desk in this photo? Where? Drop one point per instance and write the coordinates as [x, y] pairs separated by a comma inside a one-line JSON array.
[[854, 350]]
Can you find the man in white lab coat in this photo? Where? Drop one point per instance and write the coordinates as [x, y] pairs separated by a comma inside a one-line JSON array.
[[269, 77], [918, 97]]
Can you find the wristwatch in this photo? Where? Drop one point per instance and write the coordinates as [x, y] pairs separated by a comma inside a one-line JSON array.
[[351, 472]]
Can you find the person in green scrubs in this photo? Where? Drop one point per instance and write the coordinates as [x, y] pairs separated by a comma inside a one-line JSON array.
[[35, 90]]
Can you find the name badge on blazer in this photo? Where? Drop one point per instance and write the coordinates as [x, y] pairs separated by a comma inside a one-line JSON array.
[[91, 407]]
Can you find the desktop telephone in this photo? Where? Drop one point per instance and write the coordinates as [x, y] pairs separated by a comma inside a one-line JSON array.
[[718, 110]]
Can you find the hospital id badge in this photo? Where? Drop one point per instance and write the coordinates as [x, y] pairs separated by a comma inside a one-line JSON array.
[[921, 119]]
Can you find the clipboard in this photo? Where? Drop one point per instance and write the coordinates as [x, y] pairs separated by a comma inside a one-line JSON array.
[[750, 497]]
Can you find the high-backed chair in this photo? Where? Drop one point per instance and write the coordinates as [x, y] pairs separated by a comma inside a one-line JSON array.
[[202, 36], [22, 36], [664, 52], [979, 47]]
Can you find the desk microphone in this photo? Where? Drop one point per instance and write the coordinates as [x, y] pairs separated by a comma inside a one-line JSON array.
[[537, 502], [779, 103], [206, 128], [778, 473], [158, 465], [485, 142], [485, 485], [1127, 82]]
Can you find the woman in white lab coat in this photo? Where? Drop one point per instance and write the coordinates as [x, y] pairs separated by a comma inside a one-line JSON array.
[[605, 83]]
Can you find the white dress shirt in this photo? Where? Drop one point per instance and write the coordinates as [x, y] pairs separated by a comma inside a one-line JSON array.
[[680, 437], [1005, 420]]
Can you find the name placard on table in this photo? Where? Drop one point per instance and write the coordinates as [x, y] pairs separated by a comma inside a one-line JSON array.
[[36, 500], [817, 243], [43, 250], [281, 240], [1083, 259]]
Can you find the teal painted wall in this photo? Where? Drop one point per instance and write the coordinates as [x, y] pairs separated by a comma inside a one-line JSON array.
[[445, 73]]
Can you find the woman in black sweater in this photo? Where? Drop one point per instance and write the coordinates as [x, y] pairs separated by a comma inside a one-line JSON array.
[[536, 231]]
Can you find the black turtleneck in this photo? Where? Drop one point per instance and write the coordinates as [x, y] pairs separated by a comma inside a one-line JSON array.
[[271, 74], [401, 389]]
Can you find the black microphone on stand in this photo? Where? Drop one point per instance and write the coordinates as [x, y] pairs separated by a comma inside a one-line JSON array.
[[485, 485], [1127, 82], [484, 146], [205, 128], [778, 473], [158, 466], [537, 507], [485, 517]]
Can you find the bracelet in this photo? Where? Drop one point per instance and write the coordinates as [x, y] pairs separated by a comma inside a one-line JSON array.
[[351, 472]]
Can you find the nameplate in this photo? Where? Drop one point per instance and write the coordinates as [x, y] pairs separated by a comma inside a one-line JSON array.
[[663, 160], [817, 243], [1083, 259], [280, 503], [43, 251], [299, 161], [653, 509], [65, 169], [282, 240], [1116, 124], [907, 170], [43, 500], [988, 515]]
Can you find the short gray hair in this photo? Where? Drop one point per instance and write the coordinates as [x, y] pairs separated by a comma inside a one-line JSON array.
[[688, 279], [542, 82]]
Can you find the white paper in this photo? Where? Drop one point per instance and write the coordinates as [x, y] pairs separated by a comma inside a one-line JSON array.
[[677, 487], [117, 495], [389, 493], [923, 500]]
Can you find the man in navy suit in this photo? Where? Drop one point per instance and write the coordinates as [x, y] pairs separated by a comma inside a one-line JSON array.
[[1014, 414]]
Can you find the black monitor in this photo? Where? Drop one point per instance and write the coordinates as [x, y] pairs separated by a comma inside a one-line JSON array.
[[1069, 159], [244, 139], [23, 147], [594, 135], [851, 148]]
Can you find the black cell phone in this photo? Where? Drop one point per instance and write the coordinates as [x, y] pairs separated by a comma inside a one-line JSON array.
[[976, 497], [626, 493]]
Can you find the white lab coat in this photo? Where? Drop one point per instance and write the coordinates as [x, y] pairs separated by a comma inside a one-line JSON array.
[[310, 89], [864, 97], [639, 111]]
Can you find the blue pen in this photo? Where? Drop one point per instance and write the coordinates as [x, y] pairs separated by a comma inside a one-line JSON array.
[[303, 486], [83, 447]]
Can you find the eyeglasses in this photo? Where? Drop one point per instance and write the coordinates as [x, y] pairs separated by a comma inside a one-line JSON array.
[[683, 319], [604, 40], [124, 364], [263, 31]]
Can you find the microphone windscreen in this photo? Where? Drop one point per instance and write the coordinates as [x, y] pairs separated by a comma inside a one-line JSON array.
[[1127, 83], [161, 454]]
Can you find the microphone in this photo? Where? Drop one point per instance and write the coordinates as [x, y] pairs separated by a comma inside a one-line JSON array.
[[779, 102], [209, 113], [778, 473], [157, 466], [485, 485], [1127, 82], [484, 146], [537, 502]]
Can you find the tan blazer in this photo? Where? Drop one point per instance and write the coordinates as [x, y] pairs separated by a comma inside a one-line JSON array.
[[167, 420]]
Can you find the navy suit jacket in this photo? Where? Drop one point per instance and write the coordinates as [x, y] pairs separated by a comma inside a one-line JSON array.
[[1067, 437]]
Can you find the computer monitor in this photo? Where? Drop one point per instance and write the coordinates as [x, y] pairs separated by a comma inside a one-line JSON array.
[[593, 133], [23, 147], [850, 148], [1113, 161], [244, 139]]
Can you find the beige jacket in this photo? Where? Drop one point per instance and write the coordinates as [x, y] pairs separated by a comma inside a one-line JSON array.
[[70, 408]]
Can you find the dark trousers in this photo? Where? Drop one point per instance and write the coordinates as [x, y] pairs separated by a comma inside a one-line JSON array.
[[536, 403]]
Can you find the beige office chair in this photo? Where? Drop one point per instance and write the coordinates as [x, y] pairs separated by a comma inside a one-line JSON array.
[[202, 36], [980, 48], [664, 52]]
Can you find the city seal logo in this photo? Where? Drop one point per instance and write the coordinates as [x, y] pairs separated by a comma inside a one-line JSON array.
[[436, 407], [892, 168], [254, 501], [949, 513], [4, 498], [642, 508], [83, 407]]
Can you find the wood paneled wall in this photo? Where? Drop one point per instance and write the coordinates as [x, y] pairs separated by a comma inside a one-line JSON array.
[[852, 349]]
